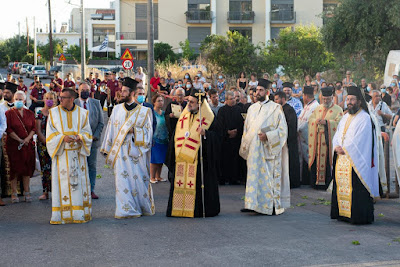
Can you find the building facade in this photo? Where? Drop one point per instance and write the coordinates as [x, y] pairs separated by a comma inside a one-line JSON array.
[[178, 20]]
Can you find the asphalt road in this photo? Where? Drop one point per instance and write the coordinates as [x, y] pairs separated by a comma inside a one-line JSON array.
[[304, 235]]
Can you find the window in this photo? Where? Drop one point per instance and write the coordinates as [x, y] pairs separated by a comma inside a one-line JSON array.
[[275, 32], [100, 33], [196, 35], [240, 5], [203, 5], [245, 31], [141, 21]]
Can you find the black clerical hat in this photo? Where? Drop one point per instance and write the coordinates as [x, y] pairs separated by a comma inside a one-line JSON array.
[[11, 86], [327, 91], [264, 83], [194, 93], [2, 85], [354, 90], [287, 84], [308, 90], [129, 82]]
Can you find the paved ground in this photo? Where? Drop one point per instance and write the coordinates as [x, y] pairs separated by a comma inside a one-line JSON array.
[[303, 235]]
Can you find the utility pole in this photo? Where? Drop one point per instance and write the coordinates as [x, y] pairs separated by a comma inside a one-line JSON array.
[[27, 36], [19, 32], [83, 43], [50, 35], [150, 45], [34, 43]]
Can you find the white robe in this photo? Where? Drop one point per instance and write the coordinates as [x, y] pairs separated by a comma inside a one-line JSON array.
[[130, 159], [357, 144], [268, 184], [71, 199], [396, 150], [302, 128]]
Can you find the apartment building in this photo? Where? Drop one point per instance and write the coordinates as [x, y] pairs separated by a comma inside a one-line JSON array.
[[178, 20]]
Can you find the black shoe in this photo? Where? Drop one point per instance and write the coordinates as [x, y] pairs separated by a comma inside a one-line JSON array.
[[246, 210]]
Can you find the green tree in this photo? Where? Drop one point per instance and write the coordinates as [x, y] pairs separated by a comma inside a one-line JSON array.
[[44, 49], [233, 53], [362, 32], [13, 50], [300, 51], [75, 52], [187, 51], [163, 52]]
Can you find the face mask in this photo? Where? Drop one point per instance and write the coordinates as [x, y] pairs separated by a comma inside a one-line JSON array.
[[49, 103], [19, 104], [297, 85], [368, 88], [274, 86], [198, 75], [338, 87], [186, 76], [85, 94], [220, 77], [179, 85], [383, 91], [209, 87], [189, 86], [141, 99], [392, 84]]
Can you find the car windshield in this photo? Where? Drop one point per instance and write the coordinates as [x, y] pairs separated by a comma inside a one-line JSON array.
[[25, 66], [39, 68]]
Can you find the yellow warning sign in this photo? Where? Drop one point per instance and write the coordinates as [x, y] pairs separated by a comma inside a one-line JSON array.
[[127, 55], [62, 58]]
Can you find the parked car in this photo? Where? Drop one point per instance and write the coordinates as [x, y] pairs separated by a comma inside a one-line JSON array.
[[22, 70], [9, 67], [54, 69], [19, 67], [14, 67], [39, 71], [29, 71]]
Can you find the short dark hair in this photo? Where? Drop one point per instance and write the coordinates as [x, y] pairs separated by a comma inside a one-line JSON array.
[[341, 84], [254, 74], [280, 94], [212, 92], [71, 92]]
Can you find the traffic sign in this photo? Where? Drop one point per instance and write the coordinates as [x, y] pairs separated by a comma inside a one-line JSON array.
[[127, 55], [127, 64], [62, 58]]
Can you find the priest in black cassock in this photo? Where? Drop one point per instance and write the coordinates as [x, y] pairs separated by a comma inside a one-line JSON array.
[[355, 163], [231, 121], [184, 161], [292, 141]]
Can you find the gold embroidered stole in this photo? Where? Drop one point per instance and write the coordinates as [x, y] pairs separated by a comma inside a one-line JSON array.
[[130, 121], [343, 177], [187, 144], [318, 148]]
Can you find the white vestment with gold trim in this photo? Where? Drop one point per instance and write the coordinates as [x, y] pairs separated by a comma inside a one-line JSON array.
[[268, 185], [129, 157], [71, 200]]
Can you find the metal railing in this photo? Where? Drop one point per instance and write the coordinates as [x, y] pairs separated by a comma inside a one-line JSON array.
[[198, 16], [130, 36], [241, 17], [283, 16]]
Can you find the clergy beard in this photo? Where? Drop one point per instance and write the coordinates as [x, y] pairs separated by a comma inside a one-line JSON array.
[[126, 99], [327, 105], [261, 98], [353, 109]]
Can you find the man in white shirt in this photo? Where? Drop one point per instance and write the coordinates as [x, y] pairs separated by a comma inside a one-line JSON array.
[[380, 109]]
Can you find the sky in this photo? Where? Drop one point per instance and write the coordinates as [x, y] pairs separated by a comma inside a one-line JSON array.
[[14, 11]]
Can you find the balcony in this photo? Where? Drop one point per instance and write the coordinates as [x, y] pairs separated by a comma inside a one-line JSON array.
[[283, 16], [130, 36], [241, 17], [198, 17]]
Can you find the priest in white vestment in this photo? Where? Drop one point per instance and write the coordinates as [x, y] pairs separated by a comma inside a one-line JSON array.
[[127, 143], [68, 141], [355, 169], [265, 149], [310, 104], [396, 151]]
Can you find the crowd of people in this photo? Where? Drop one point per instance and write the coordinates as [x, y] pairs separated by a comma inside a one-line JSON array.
[[265, 133]]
